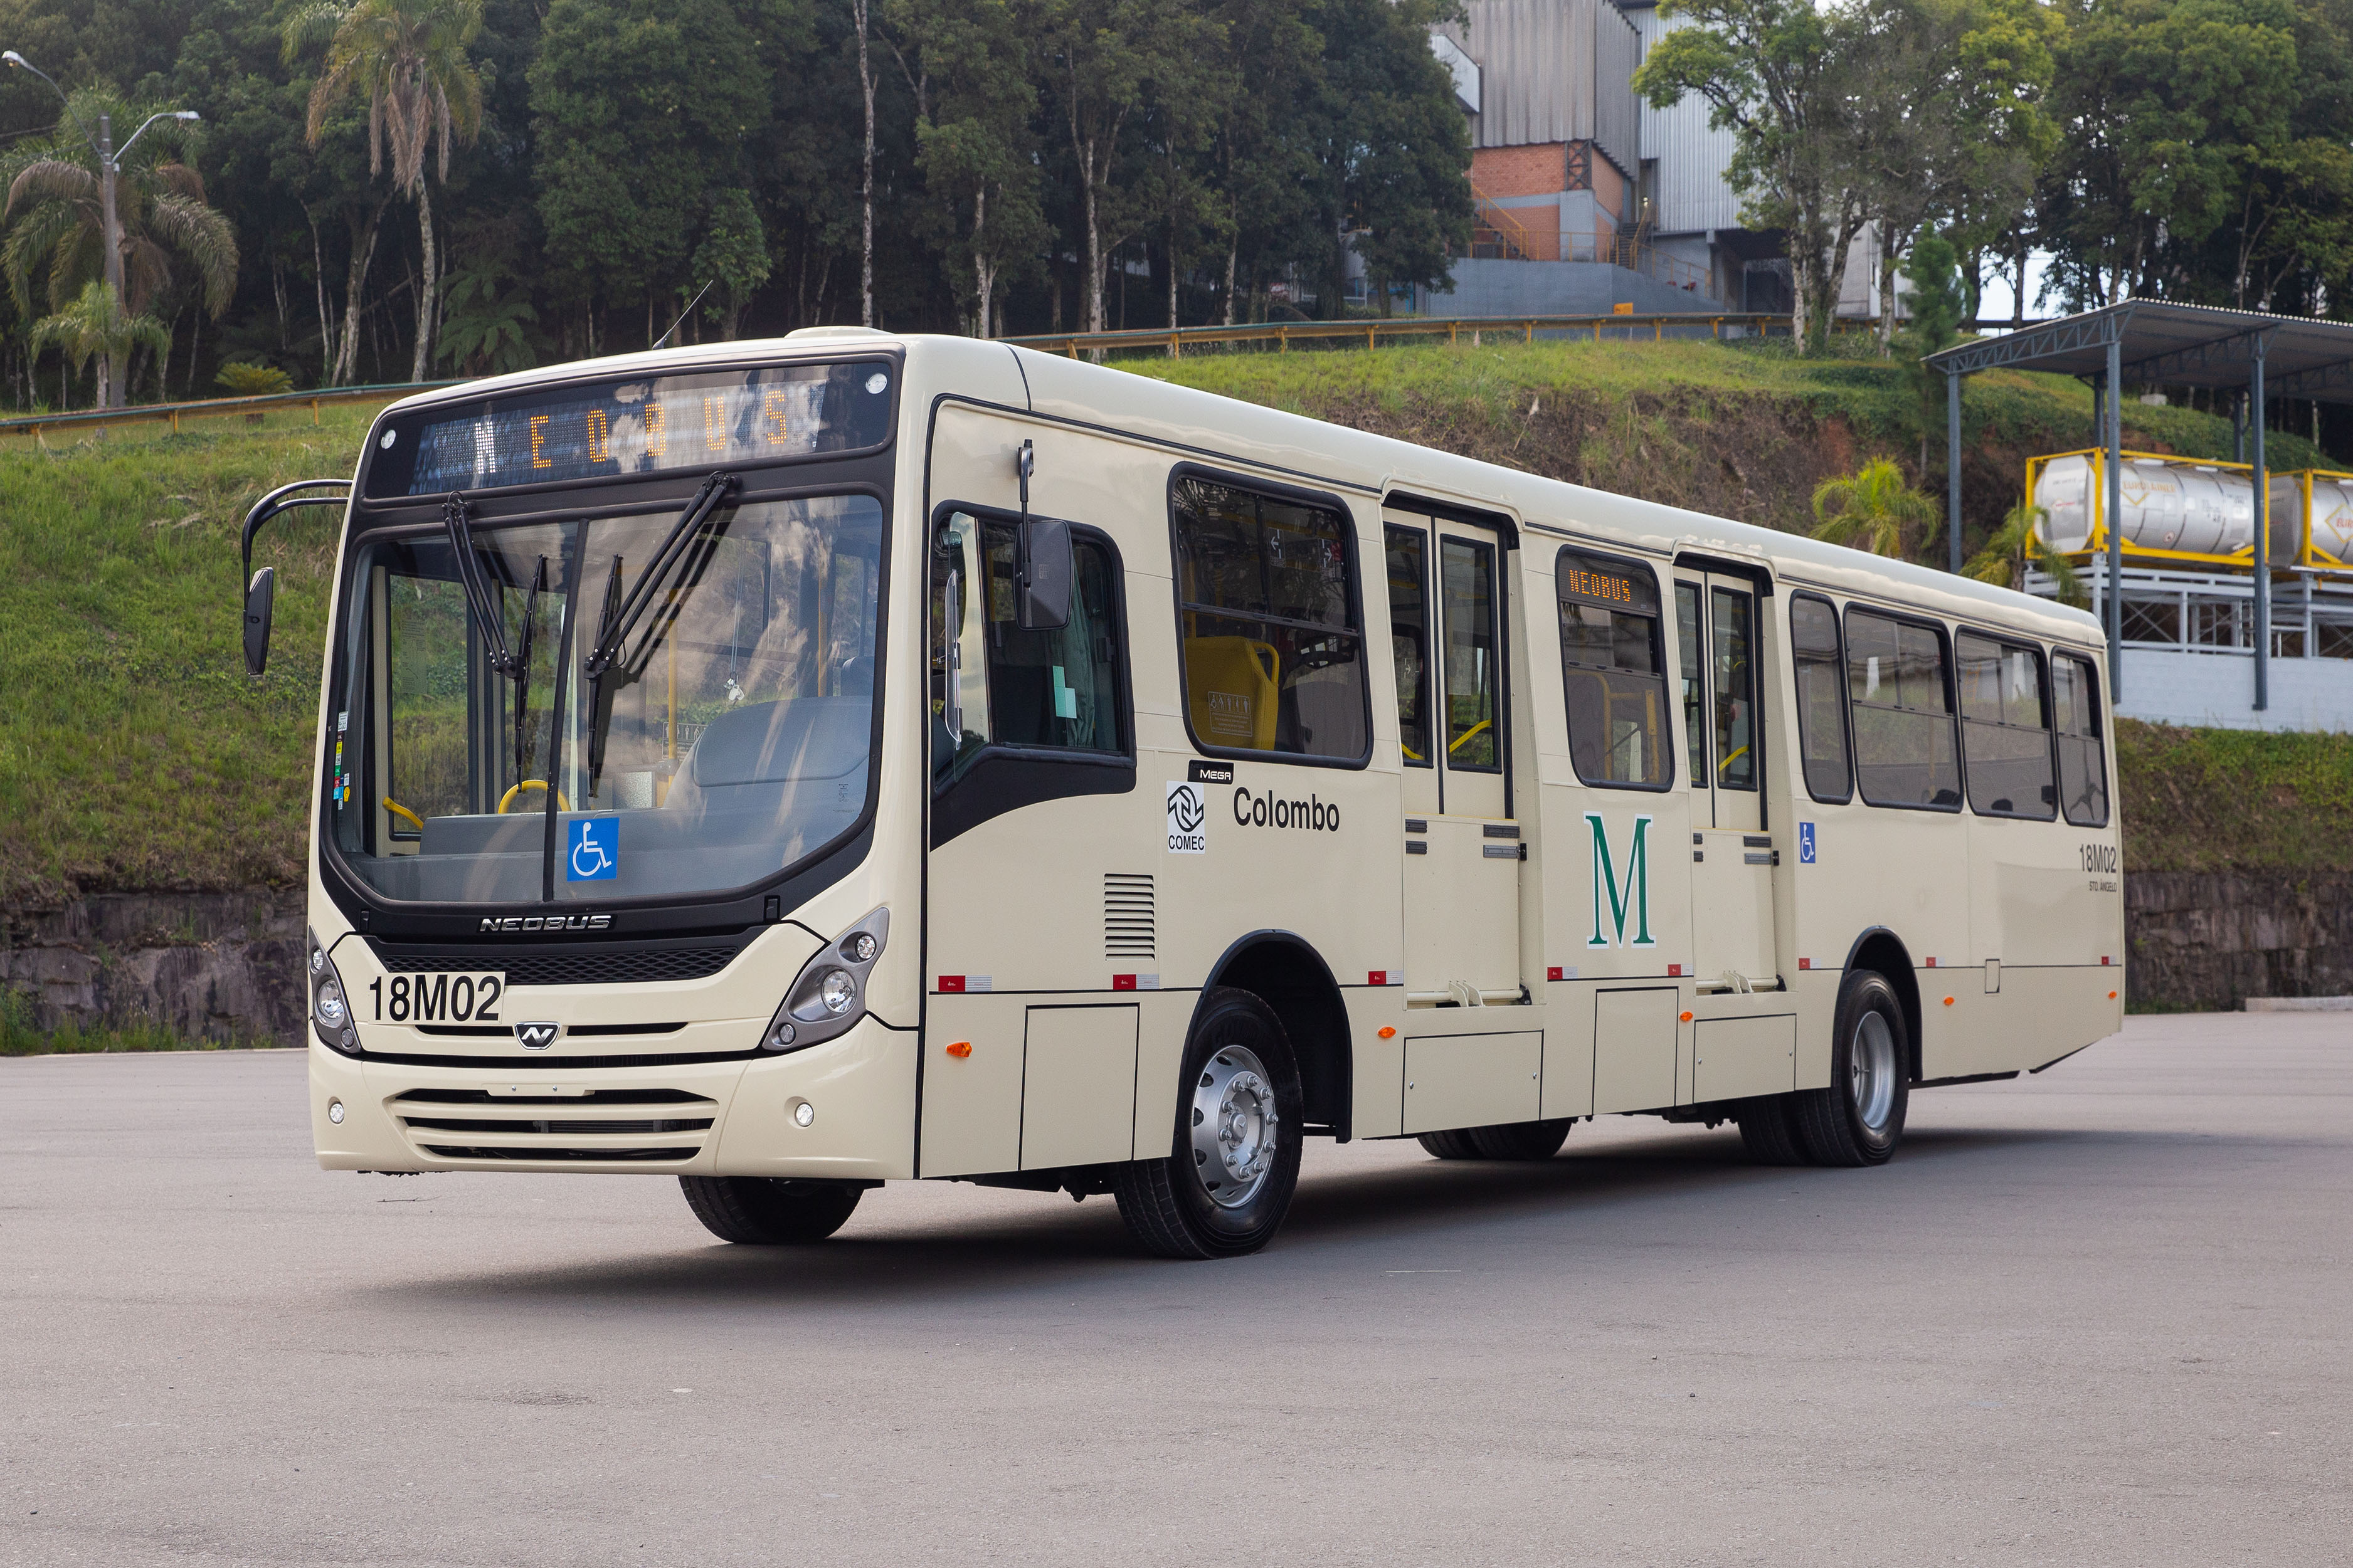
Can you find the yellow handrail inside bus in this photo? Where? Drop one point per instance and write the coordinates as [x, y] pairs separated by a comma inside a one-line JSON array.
[[397, 809], [1466, 735], [508, 799]]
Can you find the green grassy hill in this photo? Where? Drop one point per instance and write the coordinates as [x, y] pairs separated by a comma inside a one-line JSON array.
[[135, 754]]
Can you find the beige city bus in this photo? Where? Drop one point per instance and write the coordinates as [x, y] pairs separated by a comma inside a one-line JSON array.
[[792, 766]]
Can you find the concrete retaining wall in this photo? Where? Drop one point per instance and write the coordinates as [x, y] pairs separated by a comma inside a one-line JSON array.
[[226, 967], [2209, 941]]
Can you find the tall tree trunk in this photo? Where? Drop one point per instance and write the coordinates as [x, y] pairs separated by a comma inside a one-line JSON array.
[[326, 323], [347, 355], [866, 255], [984, 271], [1887, 240], [422, 362], [1094, 230]]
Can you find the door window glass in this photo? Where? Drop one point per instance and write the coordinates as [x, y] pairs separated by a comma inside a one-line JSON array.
[[1271, 647], [1408, 566], [993, 683], [2005, 739], [1687, 653], [1611, 671], [1467, 589], [1732, 675], [1901, 697], [2083, 753], [1822, 705]]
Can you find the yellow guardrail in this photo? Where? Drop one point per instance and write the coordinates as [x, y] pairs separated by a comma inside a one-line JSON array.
[[175, 414], [1370, 332]]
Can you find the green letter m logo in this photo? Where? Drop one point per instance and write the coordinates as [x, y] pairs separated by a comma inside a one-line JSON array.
[[1634, 891]]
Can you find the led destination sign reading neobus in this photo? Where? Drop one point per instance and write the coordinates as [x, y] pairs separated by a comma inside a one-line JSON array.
[[639, 426]]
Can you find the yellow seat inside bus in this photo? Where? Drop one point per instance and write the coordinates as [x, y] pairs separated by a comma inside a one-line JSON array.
[[1232, 688]]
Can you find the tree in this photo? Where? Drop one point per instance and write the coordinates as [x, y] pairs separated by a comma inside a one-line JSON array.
[[2019, 542], [1782, 76], [1874, 506], [1937, 306], [733, 257], [54, 205], [96, 325], [409, 59]]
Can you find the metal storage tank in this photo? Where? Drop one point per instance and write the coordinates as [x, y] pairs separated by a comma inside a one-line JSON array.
[[2323, 500], [2171, 506]]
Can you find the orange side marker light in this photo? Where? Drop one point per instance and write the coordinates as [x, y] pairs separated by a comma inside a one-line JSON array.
[[1389, 1034], [2111, 995], [1686, 1017], [961, 1048], [1948, 1001]]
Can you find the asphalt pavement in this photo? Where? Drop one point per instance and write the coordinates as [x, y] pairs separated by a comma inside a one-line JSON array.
[[2097, 1316]]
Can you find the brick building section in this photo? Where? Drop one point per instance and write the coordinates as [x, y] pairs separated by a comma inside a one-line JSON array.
[[1540, 169], [1549, 169]]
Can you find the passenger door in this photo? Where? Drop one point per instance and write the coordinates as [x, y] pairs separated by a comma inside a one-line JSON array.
[[1717, 633], [1449, 643]]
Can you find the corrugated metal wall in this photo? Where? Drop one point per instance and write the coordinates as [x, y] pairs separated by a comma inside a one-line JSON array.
[[1692, 194], [1554, 71]]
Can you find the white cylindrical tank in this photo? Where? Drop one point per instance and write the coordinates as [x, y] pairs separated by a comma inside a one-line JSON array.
[[2332, 512], [2193, 508]]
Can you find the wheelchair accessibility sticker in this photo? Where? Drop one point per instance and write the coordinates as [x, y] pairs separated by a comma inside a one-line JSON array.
[[594, 853], [1805, 844]]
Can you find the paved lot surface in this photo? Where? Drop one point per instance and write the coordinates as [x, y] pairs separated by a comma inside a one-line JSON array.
[[2101, 1316]]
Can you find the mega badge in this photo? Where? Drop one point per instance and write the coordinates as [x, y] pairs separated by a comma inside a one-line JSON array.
[[1189, 818], [592, 849]]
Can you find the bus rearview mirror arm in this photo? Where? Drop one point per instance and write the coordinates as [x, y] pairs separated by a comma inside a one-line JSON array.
[[1042, 567], [261, 587]]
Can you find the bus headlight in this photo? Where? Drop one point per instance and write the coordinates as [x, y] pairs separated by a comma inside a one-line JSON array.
[[330, 1010], [830, 993]]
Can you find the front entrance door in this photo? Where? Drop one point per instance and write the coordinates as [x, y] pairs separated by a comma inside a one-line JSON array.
[[1716, 633], [1449, 636]]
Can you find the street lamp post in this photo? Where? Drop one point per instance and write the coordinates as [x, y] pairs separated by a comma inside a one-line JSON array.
[[109, 164]]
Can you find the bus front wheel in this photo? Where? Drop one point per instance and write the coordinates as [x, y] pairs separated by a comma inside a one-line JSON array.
[[1239, 1109], [1859, 1118], [770, 1211]]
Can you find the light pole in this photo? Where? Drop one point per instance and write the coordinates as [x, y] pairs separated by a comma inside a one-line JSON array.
[[110, 163]]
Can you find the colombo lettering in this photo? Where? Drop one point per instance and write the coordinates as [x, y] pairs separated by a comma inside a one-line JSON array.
[[1313, 815]]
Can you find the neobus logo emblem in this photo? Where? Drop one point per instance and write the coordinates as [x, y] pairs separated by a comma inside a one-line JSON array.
[[1621, 898], [494, 925]]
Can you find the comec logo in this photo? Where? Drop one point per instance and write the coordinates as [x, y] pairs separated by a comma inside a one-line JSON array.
[[494, 925]]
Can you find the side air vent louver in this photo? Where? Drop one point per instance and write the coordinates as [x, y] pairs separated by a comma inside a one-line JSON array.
[[1127, 916]]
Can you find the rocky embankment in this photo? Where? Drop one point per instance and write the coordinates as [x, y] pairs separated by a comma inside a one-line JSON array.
[[225, 968]]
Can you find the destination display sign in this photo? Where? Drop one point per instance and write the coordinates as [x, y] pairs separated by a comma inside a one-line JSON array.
[[610, 429], [1585, 579]]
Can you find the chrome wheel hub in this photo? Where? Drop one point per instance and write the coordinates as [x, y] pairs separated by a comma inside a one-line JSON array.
[[1234, 1122], [1870, 1071]]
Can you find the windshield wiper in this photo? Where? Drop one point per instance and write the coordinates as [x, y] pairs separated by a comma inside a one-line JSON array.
[[490, 620], [605, 668]]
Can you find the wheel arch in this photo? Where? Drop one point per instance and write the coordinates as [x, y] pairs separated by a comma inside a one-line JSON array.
[[1880, 951], [1285, 971]]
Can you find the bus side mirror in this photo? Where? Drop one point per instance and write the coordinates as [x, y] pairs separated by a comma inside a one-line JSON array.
[[258, 594], [1042, 576]]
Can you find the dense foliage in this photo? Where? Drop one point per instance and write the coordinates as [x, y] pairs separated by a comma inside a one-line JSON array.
[[417, 188]]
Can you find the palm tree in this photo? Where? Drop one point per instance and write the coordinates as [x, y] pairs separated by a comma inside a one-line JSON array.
[[2015, 545], [409, 57], [59, 232], [97, 324], [1875, 507]]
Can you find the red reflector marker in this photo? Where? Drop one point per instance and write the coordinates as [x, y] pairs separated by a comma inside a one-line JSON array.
[[1122, 981], [1805, 963], [2104, 959], [1377, 977], [1674, 971], [1554, 972], [1932, 963], [951, 982]]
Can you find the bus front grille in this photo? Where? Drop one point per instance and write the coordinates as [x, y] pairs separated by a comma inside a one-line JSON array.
[[580, 965], [601, 1126], [536, 1152]]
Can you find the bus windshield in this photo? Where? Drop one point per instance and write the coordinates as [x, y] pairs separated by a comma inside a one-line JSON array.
[[728, 737]]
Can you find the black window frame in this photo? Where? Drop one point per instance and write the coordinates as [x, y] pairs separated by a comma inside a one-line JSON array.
[[1845, 717], [1291, 495], [1944, 634], [2104, 735], [1491, 552], [1670, 705], [2008, 642], [1002, 777]]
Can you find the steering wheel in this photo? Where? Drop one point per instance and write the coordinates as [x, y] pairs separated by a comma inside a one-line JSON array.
[[508, 799]]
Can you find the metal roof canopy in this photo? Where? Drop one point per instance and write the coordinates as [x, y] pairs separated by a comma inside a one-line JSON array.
[[2155, 340]]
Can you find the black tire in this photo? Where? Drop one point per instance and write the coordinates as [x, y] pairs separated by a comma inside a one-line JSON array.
[[1453, 1145], [769, 1211], [1521, 1139], [1859, 1118], [1767, 1132], [1199, 1203]]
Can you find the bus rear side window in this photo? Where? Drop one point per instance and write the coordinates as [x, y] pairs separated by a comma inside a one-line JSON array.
[[2005, 740], [1272, 649], [1821, 702], [2082, 753], [1901, 695], [1613, 669]]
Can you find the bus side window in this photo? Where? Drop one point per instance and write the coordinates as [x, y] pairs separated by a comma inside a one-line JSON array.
[[1901, 697], [2005, 737], [1822, 705], [2083, 755], [994, 684], [1612, 671], [1408, 563], [1271, 640]]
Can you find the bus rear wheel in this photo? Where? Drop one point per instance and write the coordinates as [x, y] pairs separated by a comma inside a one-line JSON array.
[[1768, 1131], [1859, 1118], [1240, 1111], [770, 1211]]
